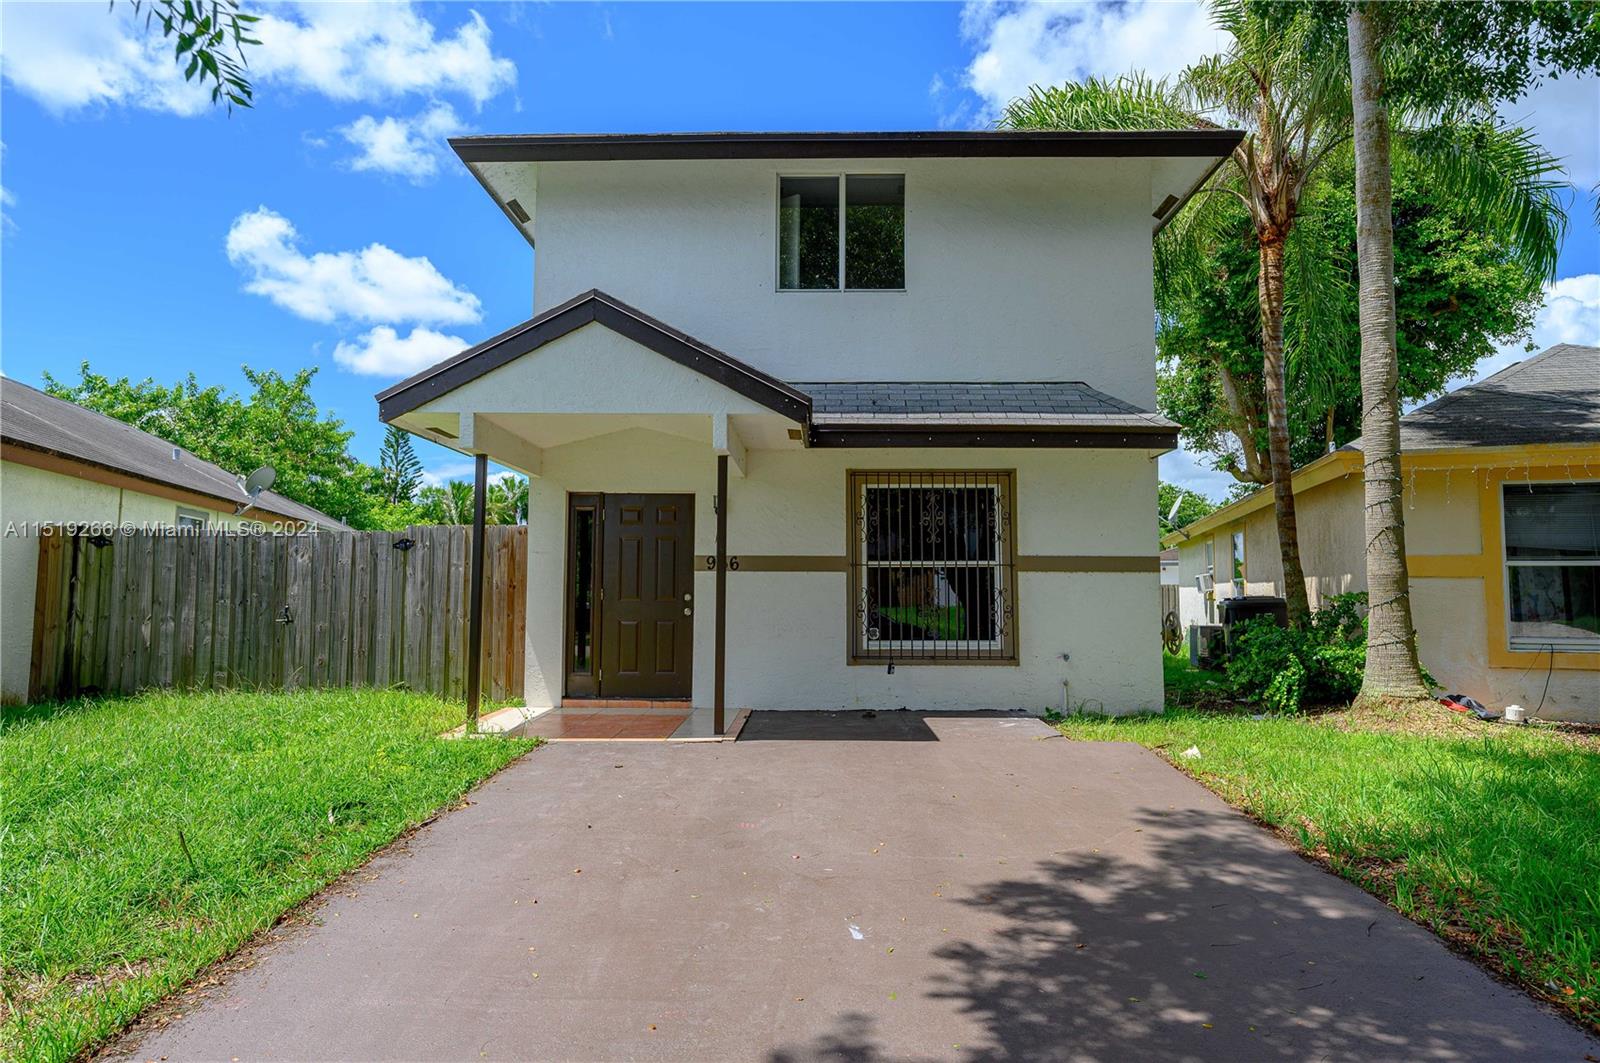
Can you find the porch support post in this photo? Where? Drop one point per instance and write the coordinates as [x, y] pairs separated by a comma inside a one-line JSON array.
[[480, 486], [721, 681]]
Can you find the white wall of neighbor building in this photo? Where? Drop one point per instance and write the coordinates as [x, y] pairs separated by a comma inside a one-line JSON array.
[[788, 631], [1016, 269], [29, 495]]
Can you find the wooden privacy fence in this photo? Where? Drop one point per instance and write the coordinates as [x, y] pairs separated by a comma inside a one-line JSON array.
[[117, 613], [1169, 599]]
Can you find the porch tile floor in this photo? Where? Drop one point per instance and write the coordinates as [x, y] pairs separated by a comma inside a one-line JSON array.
[[590, 725], [615, 723]]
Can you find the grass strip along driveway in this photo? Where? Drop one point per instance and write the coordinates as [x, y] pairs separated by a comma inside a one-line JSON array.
[[147, 837], [1485, 833]]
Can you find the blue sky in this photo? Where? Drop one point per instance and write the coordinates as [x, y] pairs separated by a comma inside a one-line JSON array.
[[153, 235]]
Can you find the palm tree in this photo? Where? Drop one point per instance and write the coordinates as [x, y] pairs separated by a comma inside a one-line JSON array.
[[1286, 82], [1509, 179], [507, 501], [1289, 94]]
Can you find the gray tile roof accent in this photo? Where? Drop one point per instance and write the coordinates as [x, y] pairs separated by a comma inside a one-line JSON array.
[[891, 403], [31, 418], [1553, 397]]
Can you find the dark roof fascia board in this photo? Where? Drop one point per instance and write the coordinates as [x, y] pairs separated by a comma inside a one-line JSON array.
[[936, 435], [594, 307], [586, 147]]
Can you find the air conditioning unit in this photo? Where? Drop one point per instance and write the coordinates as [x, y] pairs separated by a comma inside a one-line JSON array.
[[1204, 583], [1235, 611], [1207, 645]]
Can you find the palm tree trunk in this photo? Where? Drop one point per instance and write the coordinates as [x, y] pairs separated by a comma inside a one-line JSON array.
[[1392, 669], [1270, 294]]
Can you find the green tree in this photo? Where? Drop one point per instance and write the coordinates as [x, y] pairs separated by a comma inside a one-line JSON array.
[[507, 501], [277, 424], [447, 503], [1458, 62], [1461, 295], [1289, 96], [208, 41], [1285, 80], [398, 467]]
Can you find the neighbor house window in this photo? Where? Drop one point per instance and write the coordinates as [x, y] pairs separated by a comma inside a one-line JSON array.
[[842, 232], [1552, 534], [1237, 575], [931, 566], [191, 519]]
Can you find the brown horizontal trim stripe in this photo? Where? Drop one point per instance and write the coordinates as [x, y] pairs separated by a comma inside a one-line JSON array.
[[943, 144], [1088, 563], [778, 562], [1024, 563], [94, 472]]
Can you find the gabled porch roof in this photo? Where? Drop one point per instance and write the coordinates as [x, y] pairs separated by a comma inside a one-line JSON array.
[[827, 414], [593, 307]]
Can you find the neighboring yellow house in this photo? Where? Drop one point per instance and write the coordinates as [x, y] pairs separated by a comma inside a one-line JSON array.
[[1502, 494], [61, 463]]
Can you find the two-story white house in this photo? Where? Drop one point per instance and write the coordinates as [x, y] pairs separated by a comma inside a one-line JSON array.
[[831, 420]]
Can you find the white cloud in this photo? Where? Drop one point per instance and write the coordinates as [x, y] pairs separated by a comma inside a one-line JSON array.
[[410, 147], [374, 285], [1194, 473], [374, 51], [461, 470], [7, 200], [70, 56], [1571, 314], [1019, 45], [1566, 117], [384, 352], [450, 470]]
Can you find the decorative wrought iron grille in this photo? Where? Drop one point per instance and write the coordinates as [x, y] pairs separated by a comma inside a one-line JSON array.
[[931, 570]]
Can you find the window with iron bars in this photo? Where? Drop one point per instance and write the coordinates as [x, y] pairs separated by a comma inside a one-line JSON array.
[[931, 571]]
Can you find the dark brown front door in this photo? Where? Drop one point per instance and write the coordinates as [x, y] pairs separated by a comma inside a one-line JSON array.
[[645, 622]]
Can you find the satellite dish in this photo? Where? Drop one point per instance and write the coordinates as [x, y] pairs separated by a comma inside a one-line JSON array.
[[259, 480], [1176, 502], [256, 483]]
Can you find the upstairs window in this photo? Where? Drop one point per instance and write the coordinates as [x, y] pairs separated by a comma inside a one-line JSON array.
[[842, 232], [1553, 565]]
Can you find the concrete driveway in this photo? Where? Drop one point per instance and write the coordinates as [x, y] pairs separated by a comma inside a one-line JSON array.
[[855, 889]]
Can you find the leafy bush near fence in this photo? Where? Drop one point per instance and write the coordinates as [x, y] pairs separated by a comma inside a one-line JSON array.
[[1287, 669]]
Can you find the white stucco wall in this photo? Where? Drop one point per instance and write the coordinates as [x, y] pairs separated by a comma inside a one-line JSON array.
[[28, 495], [787, 633], [1016, 269]]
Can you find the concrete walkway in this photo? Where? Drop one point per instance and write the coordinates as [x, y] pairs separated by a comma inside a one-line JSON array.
[[856, 889]]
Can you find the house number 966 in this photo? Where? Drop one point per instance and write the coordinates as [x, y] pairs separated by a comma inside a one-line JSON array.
[[711, 563]]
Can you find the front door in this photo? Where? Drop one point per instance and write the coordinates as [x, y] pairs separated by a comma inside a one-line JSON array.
[[642, 625]]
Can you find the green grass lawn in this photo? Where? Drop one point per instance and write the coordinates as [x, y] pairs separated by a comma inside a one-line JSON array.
[[1488, 834], [146, 837]]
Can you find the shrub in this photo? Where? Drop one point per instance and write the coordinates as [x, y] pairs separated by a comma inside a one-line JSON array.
[[1287, 669]]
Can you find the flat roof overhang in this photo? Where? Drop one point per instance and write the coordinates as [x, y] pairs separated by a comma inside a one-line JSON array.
[[984, 436], [994, 144]]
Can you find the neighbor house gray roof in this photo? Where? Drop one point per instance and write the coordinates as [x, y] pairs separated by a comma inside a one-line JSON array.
[[32, 419], [890, 403], [1553, 397]]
